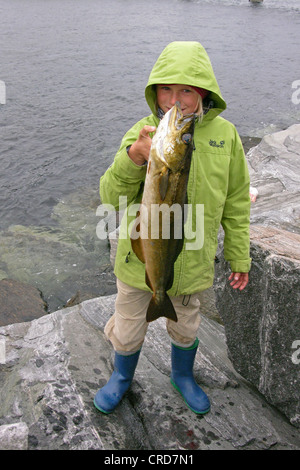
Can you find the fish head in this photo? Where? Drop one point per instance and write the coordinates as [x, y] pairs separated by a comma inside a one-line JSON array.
[[174, 137]]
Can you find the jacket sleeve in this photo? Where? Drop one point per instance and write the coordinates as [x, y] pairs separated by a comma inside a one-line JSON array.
[[236, 214], [123, 177]]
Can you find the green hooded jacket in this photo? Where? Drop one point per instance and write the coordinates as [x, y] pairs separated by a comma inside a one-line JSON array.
[[218, 180]]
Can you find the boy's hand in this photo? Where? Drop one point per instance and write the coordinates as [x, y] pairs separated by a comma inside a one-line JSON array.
[[140, 149], [239, 280]]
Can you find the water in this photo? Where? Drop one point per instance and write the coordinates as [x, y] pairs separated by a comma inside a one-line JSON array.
[[75, 72]]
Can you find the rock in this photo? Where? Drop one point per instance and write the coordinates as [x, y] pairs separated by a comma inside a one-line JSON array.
[[37, 386], [274, 167], [262, 323], [20, 302], [14, 436], [52, 367]]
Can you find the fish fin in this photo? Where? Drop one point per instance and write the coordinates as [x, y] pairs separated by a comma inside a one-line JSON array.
[[163, 309], [163, 183], [137, 248], [136, 241]]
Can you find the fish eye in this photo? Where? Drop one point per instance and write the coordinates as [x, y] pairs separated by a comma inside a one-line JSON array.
[[186, 138]]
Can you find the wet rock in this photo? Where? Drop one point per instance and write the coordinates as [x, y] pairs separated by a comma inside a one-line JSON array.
[[78, 298], [249, 142], [64, 258], [19, 302]]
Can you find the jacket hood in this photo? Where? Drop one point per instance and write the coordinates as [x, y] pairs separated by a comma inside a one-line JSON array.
[[187, 63]]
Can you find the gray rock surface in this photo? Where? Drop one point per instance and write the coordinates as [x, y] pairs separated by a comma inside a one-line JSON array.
[[274, 166], [52, 367], [262, 324], [14, 436]]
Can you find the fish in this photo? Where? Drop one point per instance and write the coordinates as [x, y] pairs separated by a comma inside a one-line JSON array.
[[157, 235]]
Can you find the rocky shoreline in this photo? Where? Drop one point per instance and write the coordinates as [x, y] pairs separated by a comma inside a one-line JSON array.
[[55, 364], [52, 364]]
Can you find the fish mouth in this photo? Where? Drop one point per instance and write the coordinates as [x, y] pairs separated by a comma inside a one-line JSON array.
[[170, 130], [176, 119]]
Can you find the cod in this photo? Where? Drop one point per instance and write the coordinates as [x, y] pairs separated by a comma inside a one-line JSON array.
[[157, 235]]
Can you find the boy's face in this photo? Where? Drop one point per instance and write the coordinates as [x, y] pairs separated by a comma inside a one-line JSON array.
[[167, 95]]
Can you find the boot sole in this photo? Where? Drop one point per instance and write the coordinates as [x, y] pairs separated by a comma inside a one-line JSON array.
[[194, 411], [100, 409]]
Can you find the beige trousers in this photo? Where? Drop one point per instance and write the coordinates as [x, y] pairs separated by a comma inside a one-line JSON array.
[[127, 327]]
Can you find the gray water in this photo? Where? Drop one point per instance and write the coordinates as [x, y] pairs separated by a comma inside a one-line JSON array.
[[74, 73]]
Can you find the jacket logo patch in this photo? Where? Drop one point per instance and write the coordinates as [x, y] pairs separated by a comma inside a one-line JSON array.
[[213, 143]]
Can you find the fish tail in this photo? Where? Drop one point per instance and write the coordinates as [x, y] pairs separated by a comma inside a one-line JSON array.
[[164, 308]]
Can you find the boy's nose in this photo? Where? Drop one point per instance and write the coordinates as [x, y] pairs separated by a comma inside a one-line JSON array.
[[174, 98]]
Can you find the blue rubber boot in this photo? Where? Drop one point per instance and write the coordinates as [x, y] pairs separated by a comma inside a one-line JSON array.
[[109, 396], [182, 378]]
